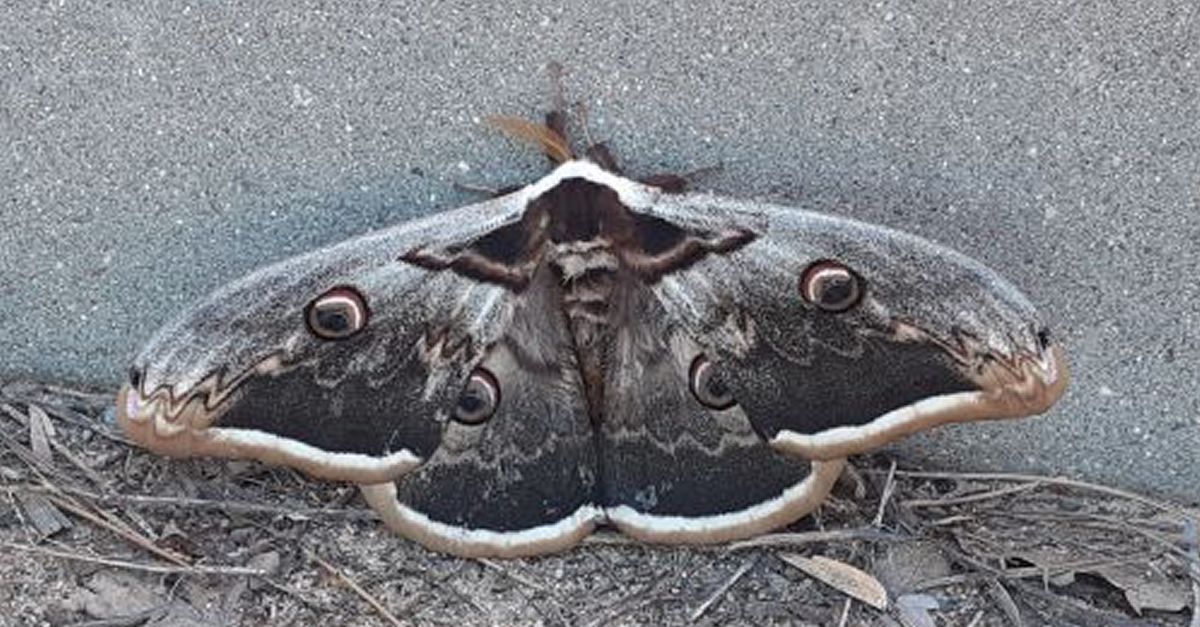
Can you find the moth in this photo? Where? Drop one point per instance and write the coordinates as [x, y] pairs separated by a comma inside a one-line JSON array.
[[591, 349]]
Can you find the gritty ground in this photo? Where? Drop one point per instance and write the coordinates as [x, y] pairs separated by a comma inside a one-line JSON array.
[[96, 532]]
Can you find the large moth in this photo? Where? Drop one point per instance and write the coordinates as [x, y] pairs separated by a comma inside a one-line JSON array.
[[592, 349]]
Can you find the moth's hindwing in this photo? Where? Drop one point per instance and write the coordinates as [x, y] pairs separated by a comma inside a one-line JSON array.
[[676, 470]]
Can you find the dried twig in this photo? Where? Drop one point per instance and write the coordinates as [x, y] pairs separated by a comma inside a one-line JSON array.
[[1031, 572], [1005, 601], [198, 569], [1191, 540], [1097, 520], [631, 602], [41, 437], [350, 583], [80, 419], [889, 487], [231, 507], [25, 454], [1081, 612], [869, 534], [972, 498], [845, 615], [724, 588], [115, 525], [511, 574], [1058, 481], [127, 620]]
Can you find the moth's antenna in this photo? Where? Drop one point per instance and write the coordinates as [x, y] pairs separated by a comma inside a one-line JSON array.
[[537, 135], [581, 114], [558, 97], [557, 118]]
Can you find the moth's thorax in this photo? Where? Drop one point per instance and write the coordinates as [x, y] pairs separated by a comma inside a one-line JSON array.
[[585, 228]]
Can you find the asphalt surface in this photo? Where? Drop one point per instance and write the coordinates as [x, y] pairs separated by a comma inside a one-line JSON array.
[[150, 153]]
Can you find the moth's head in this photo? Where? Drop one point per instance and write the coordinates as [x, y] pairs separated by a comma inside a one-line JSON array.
[[292, 364], [867, 334]]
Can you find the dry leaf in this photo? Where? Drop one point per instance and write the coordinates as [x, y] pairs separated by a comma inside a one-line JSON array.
[[40, 433], [1147, 589], [42, 514], [905, 566], [1144, 587], [914, 610], [846, 578]]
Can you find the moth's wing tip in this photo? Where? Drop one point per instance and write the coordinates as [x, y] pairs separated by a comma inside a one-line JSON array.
[[188, 435], [1031, 388]]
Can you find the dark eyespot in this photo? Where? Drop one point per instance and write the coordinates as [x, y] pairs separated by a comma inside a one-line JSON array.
[[337, 314], [708, 386], [831, 286], [135, 377], [478, 399]]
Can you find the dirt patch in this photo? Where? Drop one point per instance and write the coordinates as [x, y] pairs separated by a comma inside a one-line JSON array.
[[96, 532]]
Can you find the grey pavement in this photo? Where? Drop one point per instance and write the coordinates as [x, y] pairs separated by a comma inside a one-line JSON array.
[[150, 153]]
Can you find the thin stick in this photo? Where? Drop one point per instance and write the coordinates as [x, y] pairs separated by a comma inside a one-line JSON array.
[[1005, 601], [1030, 572], [127, 620], [517, 577], [92, 398], [1058, 481], [1081, 611], [845, 612], [232, 507], [58, 447], [972, 498], [810, 537], [889, 487], [114, 525], [1191, 540], [724, 588], [350, 583], [146, 568], [26, 455], [1096, 520], [81, 419]]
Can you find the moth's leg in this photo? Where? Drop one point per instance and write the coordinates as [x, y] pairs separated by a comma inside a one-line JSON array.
[[490, 192], [679, 183], [669, 183], [603, 157], [597, 152]]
